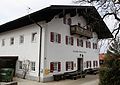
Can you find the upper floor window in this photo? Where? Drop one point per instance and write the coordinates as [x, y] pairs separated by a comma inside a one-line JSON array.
[[21, 39], [88, 44], [55, 37], [55, 66], [34, 37], [69, 40], [11, 40], [94, 45], [79, 42], [3, 42], [33, 66]]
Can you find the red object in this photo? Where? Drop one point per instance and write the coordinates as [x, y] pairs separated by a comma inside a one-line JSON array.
[[66, 40], [59, 66], [59, 38], [52, 36], [51, 67]]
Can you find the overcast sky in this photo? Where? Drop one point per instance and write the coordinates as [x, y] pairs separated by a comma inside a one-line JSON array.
[[12, 9]]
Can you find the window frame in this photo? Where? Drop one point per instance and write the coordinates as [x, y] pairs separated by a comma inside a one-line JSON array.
[[21, 39], [34, 37], [12, 41], [20, 64], [32, 64], [3, 42]]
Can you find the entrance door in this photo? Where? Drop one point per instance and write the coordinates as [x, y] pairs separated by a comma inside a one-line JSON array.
[[80, 64]]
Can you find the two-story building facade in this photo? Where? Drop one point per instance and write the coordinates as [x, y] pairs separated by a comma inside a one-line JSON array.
[[56, 39]]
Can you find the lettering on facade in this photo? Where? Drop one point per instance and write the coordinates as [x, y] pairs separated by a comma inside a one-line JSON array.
[[78, 51]]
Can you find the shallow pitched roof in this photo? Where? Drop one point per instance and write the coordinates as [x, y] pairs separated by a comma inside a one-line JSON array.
[[47, 14]]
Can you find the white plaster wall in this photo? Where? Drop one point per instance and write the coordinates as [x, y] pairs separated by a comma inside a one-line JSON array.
[[62, 52], [27, 50]]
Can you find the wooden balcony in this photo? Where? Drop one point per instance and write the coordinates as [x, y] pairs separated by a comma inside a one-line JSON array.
[[77, 30]]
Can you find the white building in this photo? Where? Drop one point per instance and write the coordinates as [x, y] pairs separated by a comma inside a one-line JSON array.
[[55, 40]]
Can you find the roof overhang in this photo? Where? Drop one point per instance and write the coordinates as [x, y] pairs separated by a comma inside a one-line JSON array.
[[47, 14]]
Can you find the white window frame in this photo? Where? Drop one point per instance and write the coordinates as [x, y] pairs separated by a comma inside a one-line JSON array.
[[12, 41], [55, 66], [34, 37], [33, 66], [69, 65], [21, 39], [20, 64]]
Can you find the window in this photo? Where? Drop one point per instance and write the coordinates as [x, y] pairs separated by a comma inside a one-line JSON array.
[[79, 42], [88, 44], [11, 41], [95, 63], [69, 65], [21, 39], [88, 64], [94, 45], [34, 36], [55, 37], [33, 66], [69, 40], [20, 64], [3, 42], [55, 66]]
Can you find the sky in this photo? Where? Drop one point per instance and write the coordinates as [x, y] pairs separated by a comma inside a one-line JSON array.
[[13, 9]]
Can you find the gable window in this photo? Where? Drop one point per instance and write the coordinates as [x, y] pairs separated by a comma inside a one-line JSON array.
[[12, 41], [79, 42], [34, 37], [69, 65], [55, 66], [55, 37], [3, 42], [20, 64], [88, 64], [69, 40], [21, 39], [33, 66]]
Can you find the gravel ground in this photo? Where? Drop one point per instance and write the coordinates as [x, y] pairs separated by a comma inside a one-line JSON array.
[[89, 80]]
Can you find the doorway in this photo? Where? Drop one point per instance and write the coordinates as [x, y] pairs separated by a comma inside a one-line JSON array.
[[80, 64]]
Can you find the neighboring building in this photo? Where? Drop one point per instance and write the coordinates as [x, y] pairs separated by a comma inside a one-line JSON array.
[[101, 58], [56, 39]]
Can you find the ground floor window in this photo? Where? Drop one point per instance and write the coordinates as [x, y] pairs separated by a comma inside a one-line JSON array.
[[95, 63], [20, 64], [33, 66], [55, 66], [69, 65], [88, 64]]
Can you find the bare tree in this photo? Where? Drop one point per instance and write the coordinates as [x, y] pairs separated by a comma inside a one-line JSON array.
[[25, 67]]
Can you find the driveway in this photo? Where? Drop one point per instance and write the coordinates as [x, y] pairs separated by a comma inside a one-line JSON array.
[[89, 80]]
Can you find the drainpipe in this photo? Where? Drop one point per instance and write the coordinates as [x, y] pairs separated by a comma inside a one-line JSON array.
[[40, 44]]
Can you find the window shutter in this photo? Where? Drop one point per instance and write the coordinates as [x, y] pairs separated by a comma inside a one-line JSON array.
[[90, 63], [59, 38], [93, 63], [86, 44], [72, 65], [59, 66], [89, 45], [51, 66], [93, 45], [72, 40], [96, 63], [66, 66], [52, 36], [66, 40], [77, 42]]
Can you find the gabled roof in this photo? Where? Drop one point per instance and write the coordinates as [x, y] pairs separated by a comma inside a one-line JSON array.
[[47, 14]]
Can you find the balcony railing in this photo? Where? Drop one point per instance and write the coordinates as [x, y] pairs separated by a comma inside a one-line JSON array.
[[75, 29]]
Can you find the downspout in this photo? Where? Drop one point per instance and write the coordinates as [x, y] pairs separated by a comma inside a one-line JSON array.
[[39, 46]]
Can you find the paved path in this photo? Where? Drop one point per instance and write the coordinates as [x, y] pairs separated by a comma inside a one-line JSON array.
[[89, 80]]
